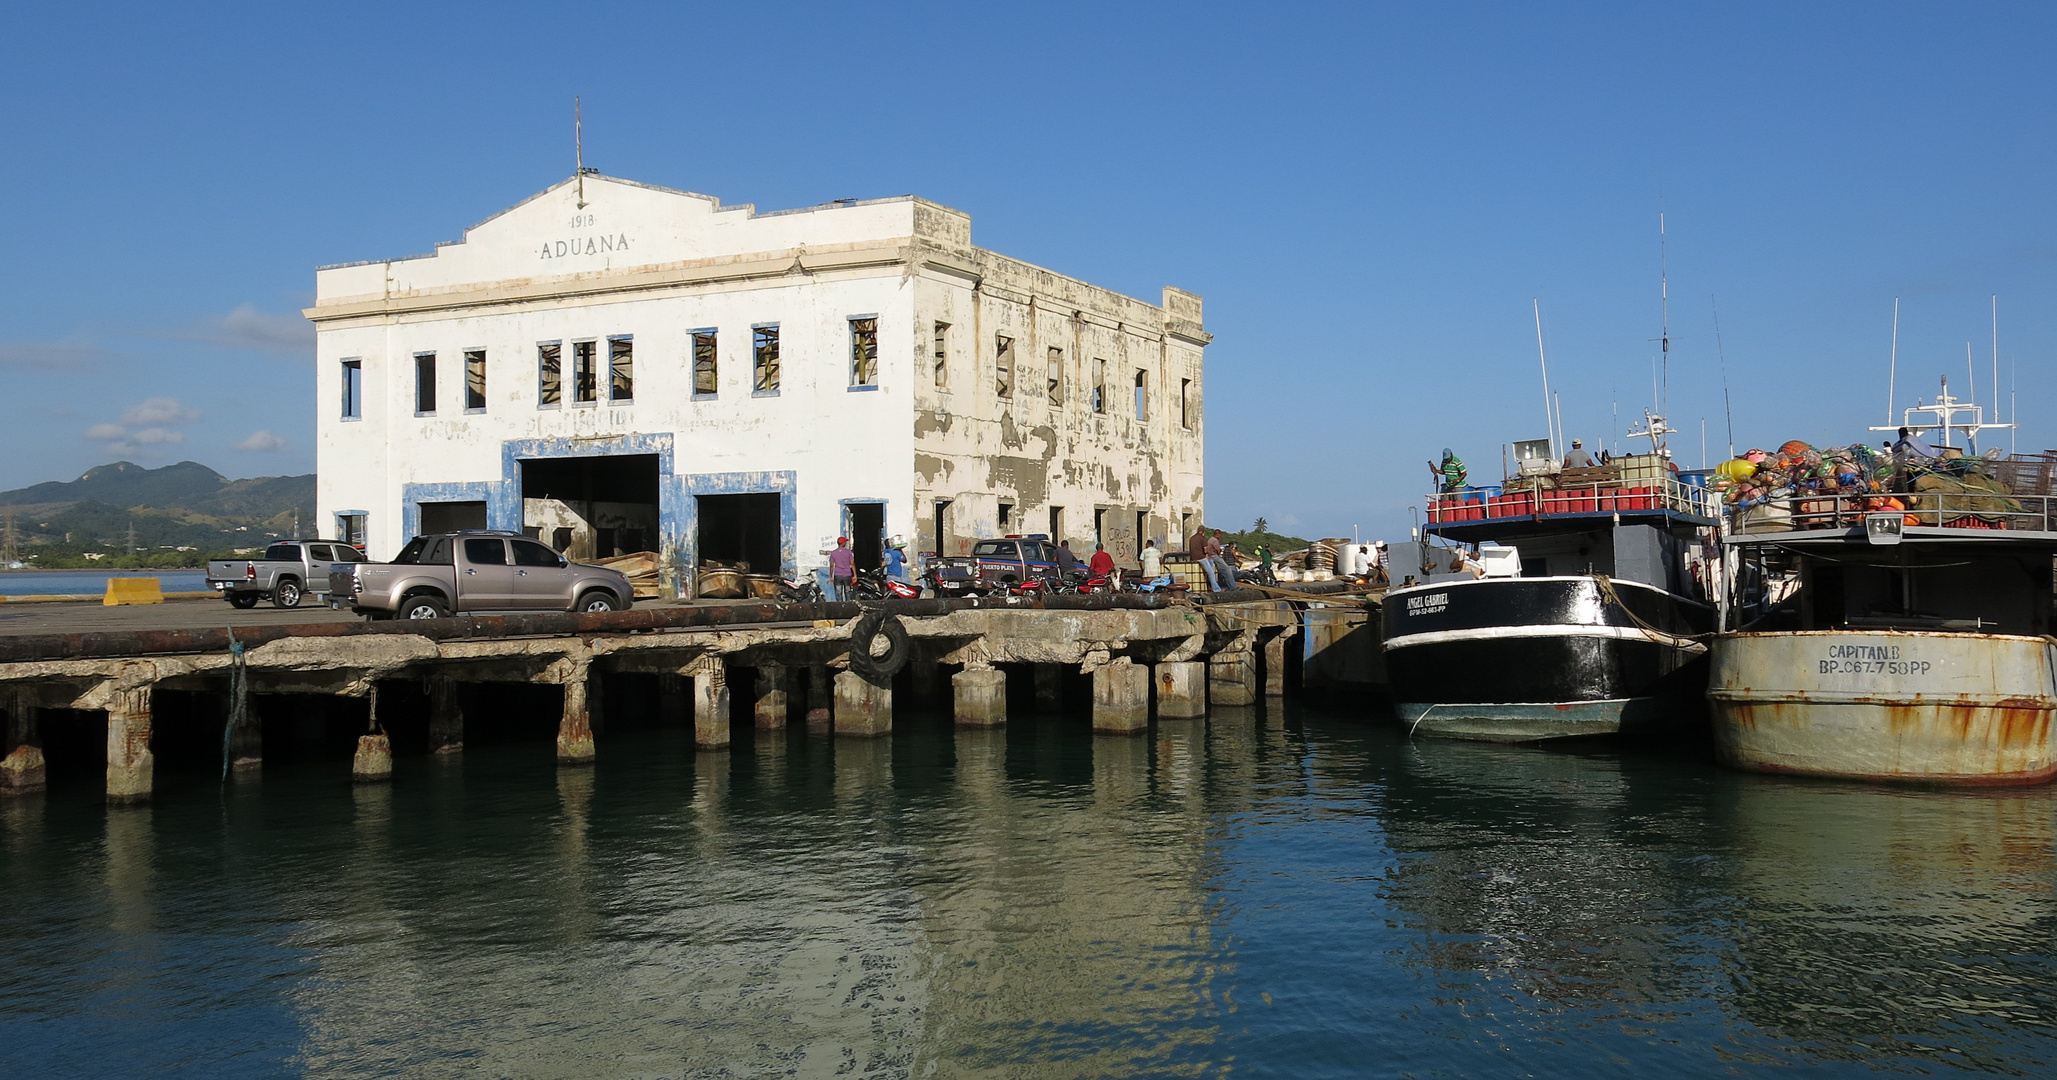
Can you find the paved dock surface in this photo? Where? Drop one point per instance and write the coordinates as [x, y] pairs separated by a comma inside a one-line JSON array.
[[88, 618]]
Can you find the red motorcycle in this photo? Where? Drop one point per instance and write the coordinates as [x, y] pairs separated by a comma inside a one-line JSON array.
[[875, 585]]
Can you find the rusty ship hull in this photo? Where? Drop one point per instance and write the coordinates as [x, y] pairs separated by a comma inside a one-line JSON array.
[[1921, 706]]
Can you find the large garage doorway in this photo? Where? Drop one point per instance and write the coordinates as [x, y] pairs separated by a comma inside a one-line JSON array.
[[740, 529], [592, 507]]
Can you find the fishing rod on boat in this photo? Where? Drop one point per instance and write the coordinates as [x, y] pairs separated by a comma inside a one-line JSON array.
[[1727, 410]]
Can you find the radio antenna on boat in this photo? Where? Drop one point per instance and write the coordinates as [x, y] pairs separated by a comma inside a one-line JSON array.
[[1727, 410], [1549, 414], [1664, 318], [1893, 363], [1996, 356]]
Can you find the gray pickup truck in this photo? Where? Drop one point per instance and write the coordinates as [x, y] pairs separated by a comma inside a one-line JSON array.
[[288, 572], [470, 573]]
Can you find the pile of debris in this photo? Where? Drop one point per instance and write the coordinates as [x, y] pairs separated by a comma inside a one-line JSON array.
[[640, 568]]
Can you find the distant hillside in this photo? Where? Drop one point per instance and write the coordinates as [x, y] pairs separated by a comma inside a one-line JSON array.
[[185, 505]]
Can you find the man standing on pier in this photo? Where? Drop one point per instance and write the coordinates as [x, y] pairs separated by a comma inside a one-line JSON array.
[[842, 568]]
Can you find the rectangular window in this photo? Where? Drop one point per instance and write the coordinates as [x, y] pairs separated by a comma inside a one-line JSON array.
[[864, 351], [475, 380], [425, 384], [1142, 395], [585, 376], [350, 527], [1142, 523], [621, 369], [1099, 391], [1003, 365], [1057, 523], [1006, 512], [353, 389], [550, 374], [1185, 406], [1054, 375], [942, 355], [706, 372], [764, 359]]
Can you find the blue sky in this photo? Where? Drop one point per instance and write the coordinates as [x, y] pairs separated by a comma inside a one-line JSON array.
[[1368, 197]]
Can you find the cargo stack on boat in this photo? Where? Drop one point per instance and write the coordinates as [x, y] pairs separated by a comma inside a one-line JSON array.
[[1897, 631], [1562, 602]]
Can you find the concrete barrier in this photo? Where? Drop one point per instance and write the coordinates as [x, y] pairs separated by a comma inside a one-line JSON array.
[[133, 590]]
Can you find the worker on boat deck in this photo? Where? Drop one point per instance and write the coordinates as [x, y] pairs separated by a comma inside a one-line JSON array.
[[1910, 449], [1453, 471], [1578, 458]]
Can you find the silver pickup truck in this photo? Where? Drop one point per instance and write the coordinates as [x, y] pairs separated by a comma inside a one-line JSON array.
[[468, 573], [288, 572]]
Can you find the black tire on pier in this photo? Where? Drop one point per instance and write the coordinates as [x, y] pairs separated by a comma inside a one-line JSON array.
[[286, 594], [243, 601], [875, 666]]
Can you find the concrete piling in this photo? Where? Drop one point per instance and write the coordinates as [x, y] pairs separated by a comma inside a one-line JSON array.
[[711, 707], [131, 769], [1121, 698], [22, 770], [819, 696], [1181, 690], [1232, 678], [575, 729], [1275, 665], [979, 697], [373, 762], [770, 711], [446, 717], [862, 709]]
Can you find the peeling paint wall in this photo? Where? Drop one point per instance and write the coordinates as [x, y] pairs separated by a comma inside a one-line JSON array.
[[678, 263]]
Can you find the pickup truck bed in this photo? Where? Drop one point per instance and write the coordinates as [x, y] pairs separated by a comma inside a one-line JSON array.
[[288, 572]]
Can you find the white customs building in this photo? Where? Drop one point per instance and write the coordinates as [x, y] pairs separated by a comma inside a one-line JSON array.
[[615, 367]]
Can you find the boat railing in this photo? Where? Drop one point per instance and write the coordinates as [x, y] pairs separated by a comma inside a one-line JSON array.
[[1949, 510], [1548, 498]]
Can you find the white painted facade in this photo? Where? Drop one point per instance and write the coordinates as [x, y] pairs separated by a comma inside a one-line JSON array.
[[654, 266]]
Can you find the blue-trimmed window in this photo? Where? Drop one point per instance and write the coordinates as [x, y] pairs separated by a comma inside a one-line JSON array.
[[864, 351], [424, 384], [764, 359], [706, 363], [353, 389], [549, 374]]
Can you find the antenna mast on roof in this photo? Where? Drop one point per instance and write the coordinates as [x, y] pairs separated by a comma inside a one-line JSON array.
[[578, 144]]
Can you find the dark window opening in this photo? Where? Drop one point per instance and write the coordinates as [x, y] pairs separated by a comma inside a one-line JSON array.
[[442, 517], [1003, 365], [942, 355], [425, 383], [1055, 375], [740, 531], [1006, 515], [706, 369], [764, 364], [1142, 525], [353, 389], [475, 380], [585, 380], [942, 526], [1099, 386], [868, 534], [1057, 523], [549, 373], [1100, 527], [621, 369]]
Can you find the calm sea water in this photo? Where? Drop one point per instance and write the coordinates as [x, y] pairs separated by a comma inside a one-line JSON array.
[[1292, 895], [41, 582]]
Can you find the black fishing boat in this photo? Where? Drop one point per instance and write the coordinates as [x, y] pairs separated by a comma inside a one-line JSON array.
[[1564, 603]]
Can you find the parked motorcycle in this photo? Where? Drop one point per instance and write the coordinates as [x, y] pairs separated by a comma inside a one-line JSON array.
[[799, 590], [875, 585]]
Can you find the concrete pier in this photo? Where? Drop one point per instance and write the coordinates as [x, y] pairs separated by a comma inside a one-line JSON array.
[[1275, 665], [374, 759], [979, 697], [769, 713], [446, 717], [575, 729], [1181, 690], [820, 694], [131, 769], [710, 707], [1121, 698], [862, 709], [1232, 678]]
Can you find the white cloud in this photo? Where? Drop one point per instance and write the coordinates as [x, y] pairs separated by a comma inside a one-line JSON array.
[[159, 410], [248, 328], [50, 356], [156, 435], [107, 432], [261, 442]]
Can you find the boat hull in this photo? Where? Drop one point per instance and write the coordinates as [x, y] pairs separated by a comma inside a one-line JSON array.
[[1527, 660], [1918, 706]]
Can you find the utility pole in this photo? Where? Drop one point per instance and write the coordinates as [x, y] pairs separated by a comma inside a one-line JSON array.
[[10, 545], [132, 536]]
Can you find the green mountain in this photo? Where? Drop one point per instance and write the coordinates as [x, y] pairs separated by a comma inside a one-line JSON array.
[[186, 505]]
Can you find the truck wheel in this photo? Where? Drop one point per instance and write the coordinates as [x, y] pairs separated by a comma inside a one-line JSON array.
[[286, 594], [423, 606], [598, 600], [243, 601]]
